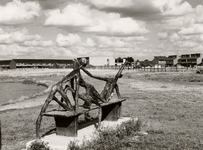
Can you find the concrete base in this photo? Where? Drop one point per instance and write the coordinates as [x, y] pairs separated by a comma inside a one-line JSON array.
[[58, 142]]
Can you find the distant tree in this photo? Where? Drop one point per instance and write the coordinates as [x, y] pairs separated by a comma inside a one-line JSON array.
[[119, 60], [130, 59]]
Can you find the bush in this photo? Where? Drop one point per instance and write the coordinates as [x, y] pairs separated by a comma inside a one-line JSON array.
[[199, 71], [39, 145], [109, 138]]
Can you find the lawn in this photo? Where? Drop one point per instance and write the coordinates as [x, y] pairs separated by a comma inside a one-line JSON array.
[[169, 106]]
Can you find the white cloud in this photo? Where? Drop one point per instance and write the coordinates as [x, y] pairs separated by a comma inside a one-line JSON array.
[[17, 12], [111, 42], [193, 29], [90, 43], [114, 42], [162, 35], [71, 15], [1, 31], [101, 45], [111, 3], [14, 51], [5, 38], [199, 48], [171, 24], [39, 43], [195, 38], [91, 20], [18, 51], [67, 41], [201, 37], [179, 9], [173, 7], [126, 7], [186, 44], [174, 37], [22, 35], [162, 46], [135, 38], [119, 27], [199, 14], [18, 36], [166, 7]]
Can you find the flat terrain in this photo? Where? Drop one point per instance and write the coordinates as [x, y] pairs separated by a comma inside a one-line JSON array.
[[168, 104]]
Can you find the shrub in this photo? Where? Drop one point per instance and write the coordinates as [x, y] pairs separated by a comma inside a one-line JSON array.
[[39, 145], [109, 138], [199, 71], [73, 145]]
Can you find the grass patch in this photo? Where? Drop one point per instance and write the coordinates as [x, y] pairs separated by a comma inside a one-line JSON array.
[[172, 117]]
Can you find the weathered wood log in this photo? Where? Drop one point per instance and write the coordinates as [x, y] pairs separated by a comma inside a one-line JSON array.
[[43, 109], [57, 88], [91, 95], [111, 83]]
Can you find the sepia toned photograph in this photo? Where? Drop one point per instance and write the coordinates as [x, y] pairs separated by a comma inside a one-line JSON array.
[[101, 74]]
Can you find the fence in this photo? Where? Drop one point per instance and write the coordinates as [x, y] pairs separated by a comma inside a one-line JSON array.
[[151, 69], [167, 69]]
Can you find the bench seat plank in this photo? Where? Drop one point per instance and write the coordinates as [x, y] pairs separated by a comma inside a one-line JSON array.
[[61, 113], [64, 113]]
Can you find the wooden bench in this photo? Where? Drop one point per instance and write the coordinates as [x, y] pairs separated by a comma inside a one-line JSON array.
[[67, 122]]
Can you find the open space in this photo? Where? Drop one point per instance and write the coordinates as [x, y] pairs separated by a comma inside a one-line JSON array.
[[168, 104]]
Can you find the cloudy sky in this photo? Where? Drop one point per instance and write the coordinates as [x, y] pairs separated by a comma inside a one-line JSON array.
[[119, 28]]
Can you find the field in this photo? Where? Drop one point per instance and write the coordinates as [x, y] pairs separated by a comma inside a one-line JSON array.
[[169, 106]]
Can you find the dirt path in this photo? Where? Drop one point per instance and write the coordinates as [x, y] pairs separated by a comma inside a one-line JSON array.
[[33, 102]]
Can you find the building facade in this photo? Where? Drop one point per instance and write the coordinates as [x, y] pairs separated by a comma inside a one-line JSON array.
[[36, 63], [185, 60], [191, 60], [5, 64], [159, 61], [172, 60]]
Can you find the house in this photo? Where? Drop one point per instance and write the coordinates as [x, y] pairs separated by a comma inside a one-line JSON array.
[[191, 60], [159, 61], [145, 63], [172, 60]]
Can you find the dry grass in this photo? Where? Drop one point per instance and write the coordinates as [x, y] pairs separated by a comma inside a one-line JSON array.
[[171, 112]]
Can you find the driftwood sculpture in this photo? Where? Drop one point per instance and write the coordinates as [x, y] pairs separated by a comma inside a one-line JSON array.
[[91, 95], [72, 82], [111, 83], [58, 88]]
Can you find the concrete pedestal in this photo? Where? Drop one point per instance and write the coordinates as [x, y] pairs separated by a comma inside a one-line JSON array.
[[59, 142]]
